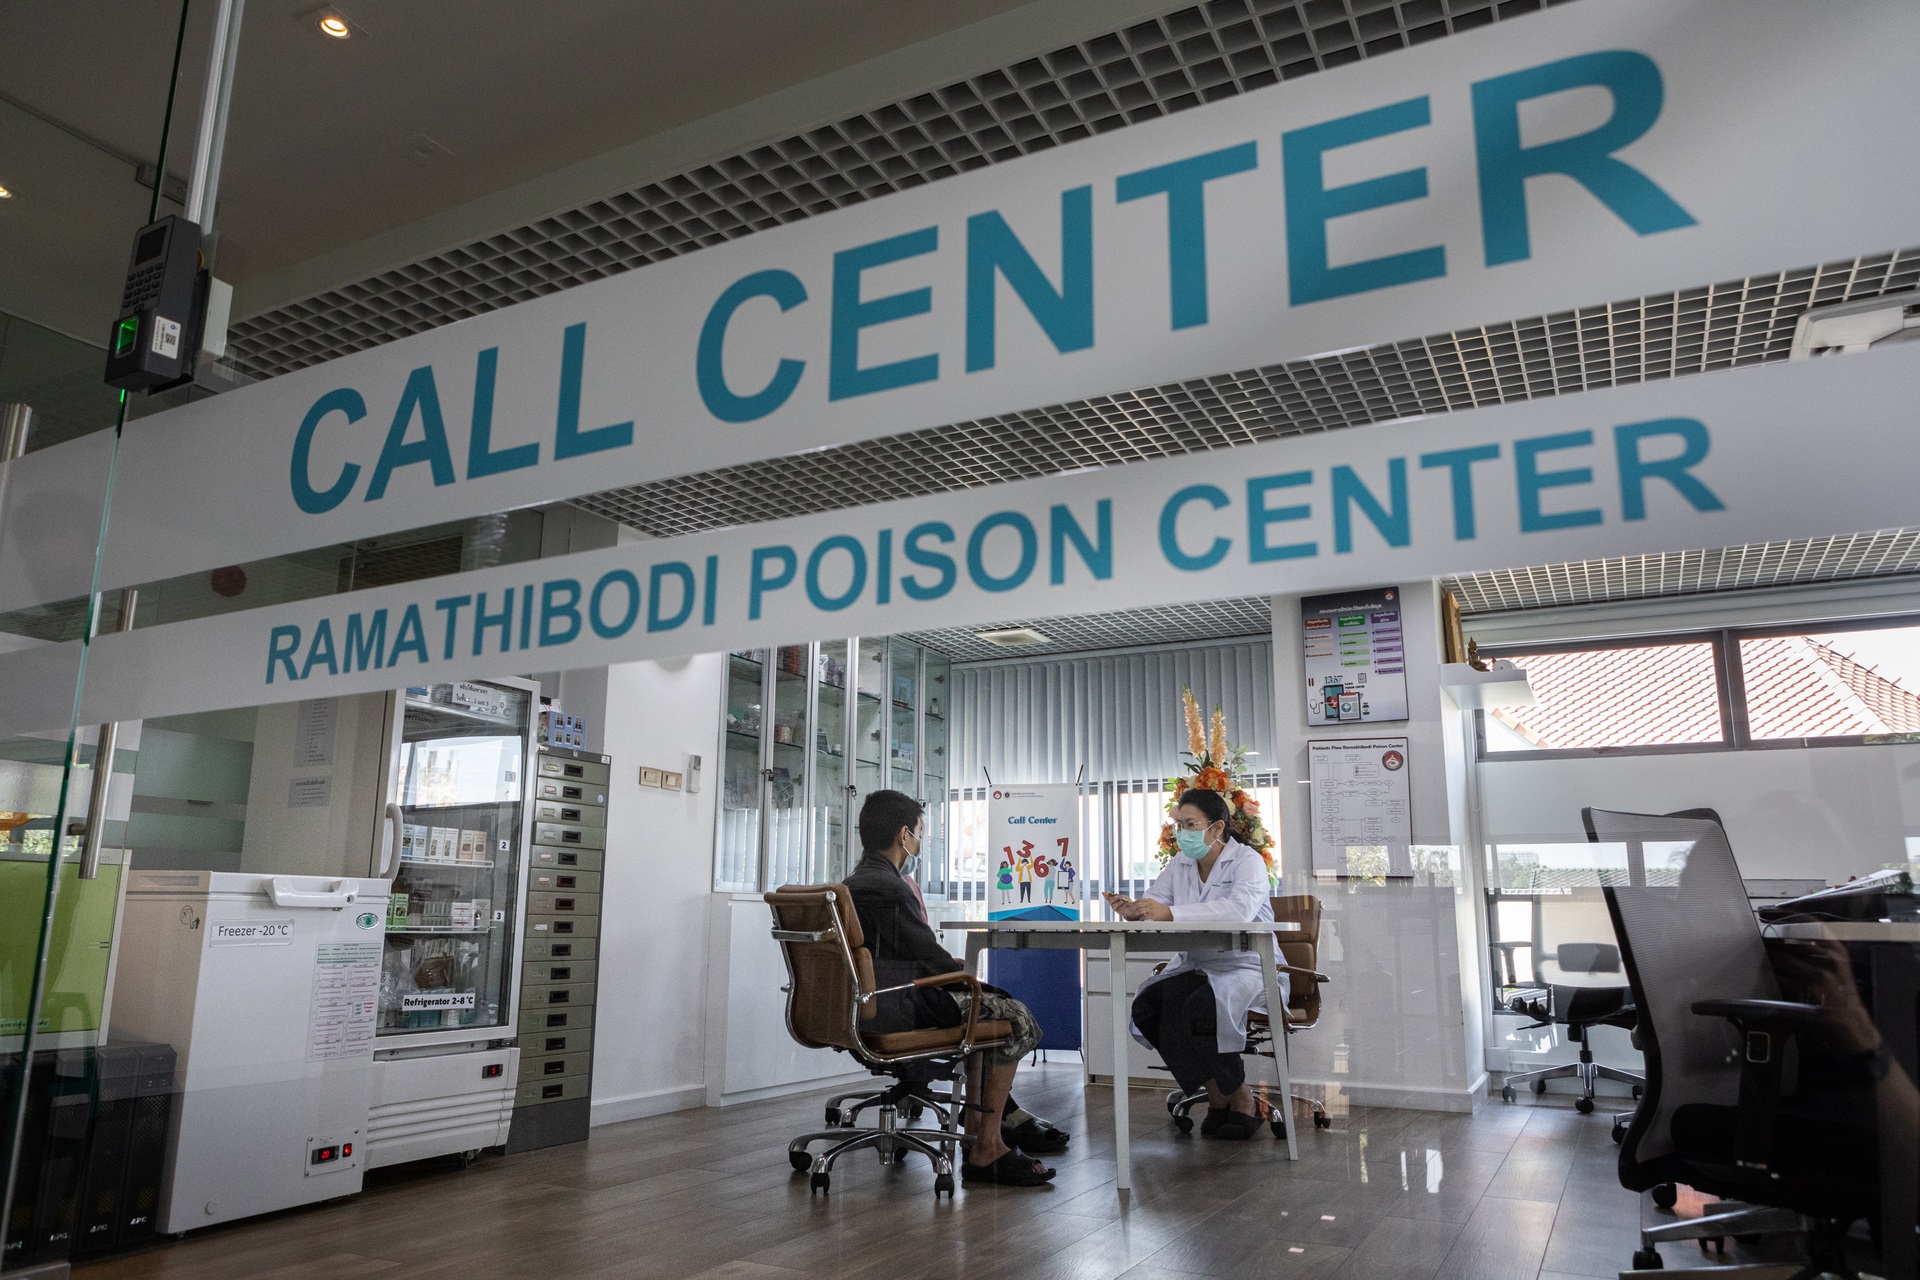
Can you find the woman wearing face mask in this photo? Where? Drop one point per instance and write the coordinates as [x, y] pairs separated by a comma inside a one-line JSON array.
[[1194, 1010]]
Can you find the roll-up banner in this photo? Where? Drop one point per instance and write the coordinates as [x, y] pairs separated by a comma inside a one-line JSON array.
[[1783, 451], [1584, 154]]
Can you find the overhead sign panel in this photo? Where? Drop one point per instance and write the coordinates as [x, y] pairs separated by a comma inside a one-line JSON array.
[[1587, 153], [1712, 461]]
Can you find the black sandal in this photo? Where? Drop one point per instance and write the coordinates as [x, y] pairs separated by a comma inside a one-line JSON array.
[[1238, 1126], [1010, 1170], [1210, 1123], [1035, 1137]]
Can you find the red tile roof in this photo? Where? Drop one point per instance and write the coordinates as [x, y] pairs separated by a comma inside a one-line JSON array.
[[1618, 697], [1797, 687]]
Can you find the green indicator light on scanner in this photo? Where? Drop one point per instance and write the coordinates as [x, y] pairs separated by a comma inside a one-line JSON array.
[[125, 335]]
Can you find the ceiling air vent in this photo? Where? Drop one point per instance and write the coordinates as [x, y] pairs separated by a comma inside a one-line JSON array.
[[1857, 326], [1013, 637]]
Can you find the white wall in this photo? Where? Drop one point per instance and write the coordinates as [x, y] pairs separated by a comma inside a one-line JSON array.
[[1396, 1026], [651, 1016], [1830, 812]]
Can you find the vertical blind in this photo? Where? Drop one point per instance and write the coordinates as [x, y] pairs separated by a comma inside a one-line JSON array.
[[1117, 714]]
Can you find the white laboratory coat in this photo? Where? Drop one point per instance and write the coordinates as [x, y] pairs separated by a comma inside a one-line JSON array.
[[1235, 890]]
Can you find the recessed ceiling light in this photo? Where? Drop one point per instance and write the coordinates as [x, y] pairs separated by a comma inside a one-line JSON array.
[[334, 25], [1013, 637]]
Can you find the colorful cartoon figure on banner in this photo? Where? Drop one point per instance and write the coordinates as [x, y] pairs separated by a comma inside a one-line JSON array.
[[1219, 766], [1043, 871], [1005, 879], [1023, 870], [1067, 877]]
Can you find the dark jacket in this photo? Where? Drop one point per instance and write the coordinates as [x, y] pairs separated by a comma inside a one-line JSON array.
[[904, 947]]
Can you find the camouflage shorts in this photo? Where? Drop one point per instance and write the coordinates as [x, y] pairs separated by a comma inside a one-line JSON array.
[[1004, 1008]]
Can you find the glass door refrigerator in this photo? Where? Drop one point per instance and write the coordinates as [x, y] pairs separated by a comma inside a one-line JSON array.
[[454, 840]]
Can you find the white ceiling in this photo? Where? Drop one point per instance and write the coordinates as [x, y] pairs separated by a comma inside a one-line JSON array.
[[321, 151]]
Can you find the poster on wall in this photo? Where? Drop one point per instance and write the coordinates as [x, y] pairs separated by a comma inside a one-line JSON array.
[[1355, 656], [1361, 815], [1033, 852]]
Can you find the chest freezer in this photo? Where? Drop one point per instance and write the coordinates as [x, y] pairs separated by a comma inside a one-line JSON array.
[[267, 987]]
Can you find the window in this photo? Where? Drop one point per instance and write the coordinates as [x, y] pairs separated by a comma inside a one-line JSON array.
[[1747, 688], [1640, 696], [1119, 824], [1833, 684]]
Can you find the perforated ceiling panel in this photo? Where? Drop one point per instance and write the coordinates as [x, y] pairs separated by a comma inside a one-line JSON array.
[[1151, 69], [1760, 564], [1717, 326], [1167, 624], [1763, 564]]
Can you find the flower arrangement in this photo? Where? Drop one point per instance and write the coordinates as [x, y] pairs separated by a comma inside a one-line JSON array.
[[1218, 765]]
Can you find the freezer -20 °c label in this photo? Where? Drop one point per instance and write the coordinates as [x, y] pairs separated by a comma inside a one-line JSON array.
[[250, 933]]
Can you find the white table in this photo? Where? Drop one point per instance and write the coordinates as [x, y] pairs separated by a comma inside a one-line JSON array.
[[1112, 937]]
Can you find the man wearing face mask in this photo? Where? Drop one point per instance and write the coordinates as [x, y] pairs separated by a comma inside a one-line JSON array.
[[1194, 1010], [893, 916]]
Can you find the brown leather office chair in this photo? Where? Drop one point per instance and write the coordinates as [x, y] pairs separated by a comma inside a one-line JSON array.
[[830, 993], [1299, 959]]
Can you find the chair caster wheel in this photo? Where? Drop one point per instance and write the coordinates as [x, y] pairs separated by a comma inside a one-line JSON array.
[[819, 1182], [1619, 1133], [1713, 1244], [1183, 1123], [914, 1111], [1321, 1120], [1506, 1093], [467, 1158], [800, 1161], [1539, 1088], [1278, 1126], [1637, 1091], [1648, 1260], [1666, 1195], [943, 1183], [1583, 1105], [833, 1115]]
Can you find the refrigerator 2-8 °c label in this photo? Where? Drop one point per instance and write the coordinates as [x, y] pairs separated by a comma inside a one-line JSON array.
[[250, 933], [423, 1001]]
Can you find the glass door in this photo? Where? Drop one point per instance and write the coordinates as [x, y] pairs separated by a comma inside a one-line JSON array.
[[787, 801], [451, 918], [870, 723], [903, 708], [828, 827], [934, 681], [741, 773]]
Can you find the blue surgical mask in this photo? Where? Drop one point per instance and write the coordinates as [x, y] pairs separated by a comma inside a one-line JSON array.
[[1192, 843]]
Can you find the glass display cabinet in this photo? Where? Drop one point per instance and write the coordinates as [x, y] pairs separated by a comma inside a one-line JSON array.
[[809, 732], [452, 919]]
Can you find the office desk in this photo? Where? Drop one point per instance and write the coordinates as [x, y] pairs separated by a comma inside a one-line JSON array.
[[1112, 936], [1889, 955]]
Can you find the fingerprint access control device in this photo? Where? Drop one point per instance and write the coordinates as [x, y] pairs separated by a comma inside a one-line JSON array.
[[155, 342]]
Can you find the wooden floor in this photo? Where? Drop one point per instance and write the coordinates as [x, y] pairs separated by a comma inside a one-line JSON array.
[[1523, 1192]]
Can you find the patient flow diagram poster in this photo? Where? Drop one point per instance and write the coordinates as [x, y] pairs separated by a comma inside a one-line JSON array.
[[1362, 822]]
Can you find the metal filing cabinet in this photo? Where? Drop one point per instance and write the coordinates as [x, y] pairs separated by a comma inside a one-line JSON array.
[[561, 953]]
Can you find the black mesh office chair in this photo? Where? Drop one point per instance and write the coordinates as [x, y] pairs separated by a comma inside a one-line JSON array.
[[1579, 1009], [1733, 1104]]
